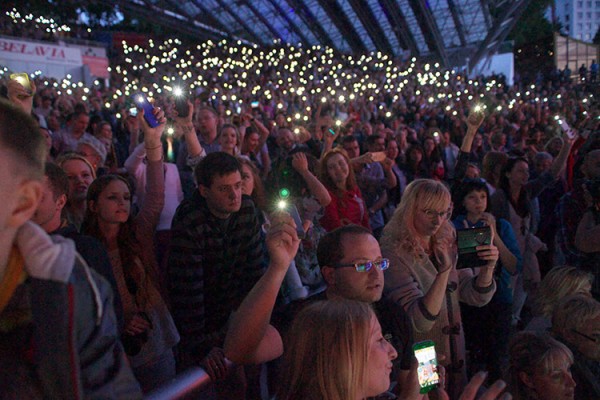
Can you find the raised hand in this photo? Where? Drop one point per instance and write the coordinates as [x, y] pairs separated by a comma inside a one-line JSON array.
[[20, 96], [152, 135], [299, 162], [282, 240]]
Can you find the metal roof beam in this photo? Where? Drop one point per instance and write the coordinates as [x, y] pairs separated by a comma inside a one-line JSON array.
[[396, 18], [371, 26], [498, 33], [339, 18], [156, 15], [309, 19], [240, 21], [213, 20], [457, 23], [430, 29], [290, 23], [263, 19]]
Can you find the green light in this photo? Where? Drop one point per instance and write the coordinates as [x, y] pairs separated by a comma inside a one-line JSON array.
[[284, 193]]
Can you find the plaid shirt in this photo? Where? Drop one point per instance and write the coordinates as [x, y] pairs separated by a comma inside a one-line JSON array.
[[213, 264]]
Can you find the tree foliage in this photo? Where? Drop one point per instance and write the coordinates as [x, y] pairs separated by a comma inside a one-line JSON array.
[[533, 24]]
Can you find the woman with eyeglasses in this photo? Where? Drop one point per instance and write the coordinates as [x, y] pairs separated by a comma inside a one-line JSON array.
[[515, 201], [487, 328], [419, 241]]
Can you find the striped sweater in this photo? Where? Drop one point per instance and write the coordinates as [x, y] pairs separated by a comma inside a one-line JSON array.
[[213, 264]]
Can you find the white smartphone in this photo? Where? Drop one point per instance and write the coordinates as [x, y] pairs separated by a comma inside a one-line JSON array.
[[566, 128]]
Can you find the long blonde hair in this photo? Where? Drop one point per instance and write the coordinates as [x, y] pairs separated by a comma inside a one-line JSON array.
[[327, 351], [400, 231]]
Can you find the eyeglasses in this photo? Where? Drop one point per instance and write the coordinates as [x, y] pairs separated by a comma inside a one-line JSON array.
[[595, 338], [434, 214], [366, 266]]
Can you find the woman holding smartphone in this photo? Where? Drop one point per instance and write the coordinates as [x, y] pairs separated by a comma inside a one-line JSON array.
[[150, 333], [487, 328], [419, 240]]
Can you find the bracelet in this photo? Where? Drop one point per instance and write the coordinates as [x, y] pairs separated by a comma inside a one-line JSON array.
[[153, 148]]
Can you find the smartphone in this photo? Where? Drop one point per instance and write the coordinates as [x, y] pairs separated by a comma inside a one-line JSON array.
[[291, 209], [181, 96], [427, 369], [436, 137], [467, 241], [254, 104], [566, 128], [238, 109], [331, 131], [133, 111], [23, 79], [378, 156], [141, 101]]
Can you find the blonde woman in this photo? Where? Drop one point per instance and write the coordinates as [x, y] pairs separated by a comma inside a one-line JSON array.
[[540, 368], [419, 240], [559, 283], [336, 351], [229, 139]]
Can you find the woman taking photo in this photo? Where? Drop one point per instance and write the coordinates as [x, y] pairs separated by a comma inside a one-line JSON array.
[[347, 205], [150, 333], [419, 240], [487, 328]]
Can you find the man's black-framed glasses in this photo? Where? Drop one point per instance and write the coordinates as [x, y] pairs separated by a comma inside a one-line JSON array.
[[366, 266]]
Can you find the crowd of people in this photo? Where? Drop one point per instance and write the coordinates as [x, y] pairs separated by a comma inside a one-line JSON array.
[[295, 211]]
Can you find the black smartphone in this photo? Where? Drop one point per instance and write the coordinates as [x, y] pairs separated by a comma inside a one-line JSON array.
[[142, 102], [181, 96], [467, 241], [427, 369]]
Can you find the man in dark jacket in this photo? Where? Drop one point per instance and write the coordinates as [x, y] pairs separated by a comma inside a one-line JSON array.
[[216, 256], [58, 332]]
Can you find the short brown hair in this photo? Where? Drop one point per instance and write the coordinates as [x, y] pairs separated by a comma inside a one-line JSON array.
[[19, 133], [330, 250]]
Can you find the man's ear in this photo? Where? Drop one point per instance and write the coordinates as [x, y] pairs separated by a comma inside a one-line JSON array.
[[203, 190], [29, 194], [61, 202], [329, 275]]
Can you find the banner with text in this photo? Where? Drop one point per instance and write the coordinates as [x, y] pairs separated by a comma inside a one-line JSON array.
[[18, 50]]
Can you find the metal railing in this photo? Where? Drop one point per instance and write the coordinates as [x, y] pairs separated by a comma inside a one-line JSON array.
[[185, 384]]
